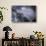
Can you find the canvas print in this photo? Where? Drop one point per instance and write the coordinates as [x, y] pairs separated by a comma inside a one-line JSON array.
[[23, 14]]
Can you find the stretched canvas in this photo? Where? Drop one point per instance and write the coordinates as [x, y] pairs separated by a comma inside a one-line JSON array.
[[23, 13]]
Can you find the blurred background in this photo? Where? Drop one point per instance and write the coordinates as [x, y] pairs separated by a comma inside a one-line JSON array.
[[23, 29]]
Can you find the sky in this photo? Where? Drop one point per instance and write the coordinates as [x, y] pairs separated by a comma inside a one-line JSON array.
[[25, 11]]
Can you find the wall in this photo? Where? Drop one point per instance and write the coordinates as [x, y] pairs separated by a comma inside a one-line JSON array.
[[24, 29]]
